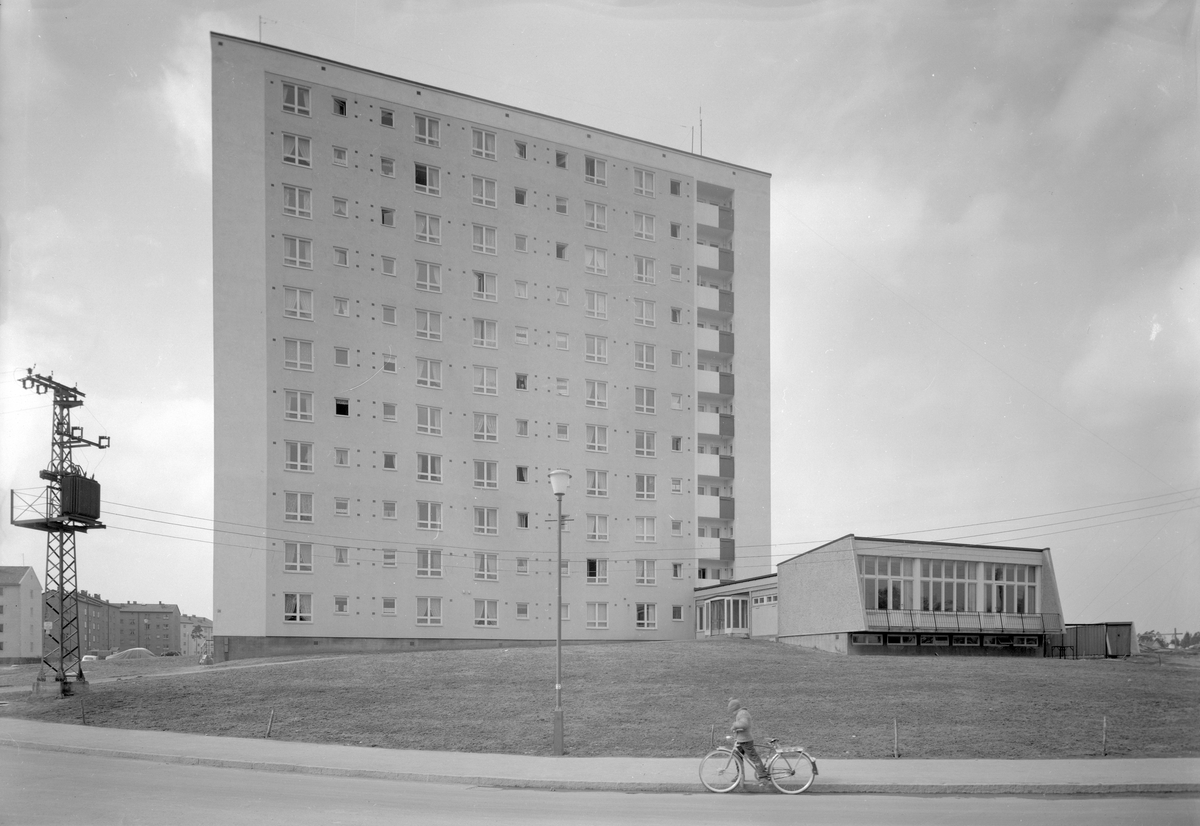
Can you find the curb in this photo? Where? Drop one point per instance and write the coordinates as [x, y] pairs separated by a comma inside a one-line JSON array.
[[650, 787]]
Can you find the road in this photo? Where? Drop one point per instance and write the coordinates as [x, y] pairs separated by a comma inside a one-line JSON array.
[[55, 788]]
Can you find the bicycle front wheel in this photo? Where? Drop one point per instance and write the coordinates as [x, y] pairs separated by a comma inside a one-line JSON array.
[[791, 773], [720, 771]]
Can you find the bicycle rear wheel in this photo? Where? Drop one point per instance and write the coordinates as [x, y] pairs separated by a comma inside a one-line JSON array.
[[720, 771], [791, 773]]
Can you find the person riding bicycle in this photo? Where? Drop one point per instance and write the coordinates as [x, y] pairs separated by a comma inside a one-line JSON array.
[[745, 743]]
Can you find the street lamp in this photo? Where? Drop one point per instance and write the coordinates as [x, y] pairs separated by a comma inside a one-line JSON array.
[[559, 479]]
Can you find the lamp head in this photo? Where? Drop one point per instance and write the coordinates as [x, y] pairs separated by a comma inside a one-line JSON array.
[[559, 479]]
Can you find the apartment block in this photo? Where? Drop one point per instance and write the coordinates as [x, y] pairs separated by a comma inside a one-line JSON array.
[[99, 623], [424, 302], [153, 626], [195, 635], [20, 612]]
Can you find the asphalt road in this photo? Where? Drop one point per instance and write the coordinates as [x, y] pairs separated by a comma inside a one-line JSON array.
[[55, 788]]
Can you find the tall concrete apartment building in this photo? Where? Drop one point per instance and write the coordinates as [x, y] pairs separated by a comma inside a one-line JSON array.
[[424, 302]]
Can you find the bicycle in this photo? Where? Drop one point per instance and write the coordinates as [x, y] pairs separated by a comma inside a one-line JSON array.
[[790, 769]]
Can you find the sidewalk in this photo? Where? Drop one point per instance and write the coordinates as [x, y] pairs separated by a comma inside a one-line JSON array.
[[625, 774]]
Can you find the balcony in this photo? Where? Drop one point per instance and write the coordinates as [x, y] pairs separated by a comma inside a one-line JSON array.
[[710, 381], [708, 423], [727, 550], [710, 464], [707, 339], [708, 547], [964, 622], [714, 258], [711, 215], [726, 508], [708, 507], [714, 299]]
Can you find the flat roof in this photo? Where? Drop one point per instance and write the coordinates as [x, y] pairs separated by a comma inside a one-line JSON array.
[[913, 542], [465, 96]]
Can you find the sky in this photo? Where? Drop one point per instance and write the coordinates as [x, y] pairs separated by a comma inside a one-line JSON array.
[[985, 273]]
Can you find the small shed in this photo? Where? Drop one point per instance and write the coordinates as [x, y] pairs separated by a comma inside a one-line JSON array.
[[1096, 639]]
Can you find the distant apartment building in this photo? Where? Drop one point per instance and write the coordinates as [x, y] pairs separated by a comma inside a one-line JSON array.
[[99, 623], [424, 302], [195, 635], [20, 615], [153, 626]]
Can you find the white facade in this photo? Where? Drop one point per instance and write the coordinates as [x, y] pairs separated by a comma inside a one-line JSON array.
[[423, 303], [20, 614]]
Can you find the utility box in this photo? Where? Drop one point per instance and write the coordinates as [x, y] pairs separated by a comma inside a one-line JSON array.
[[80, 497]]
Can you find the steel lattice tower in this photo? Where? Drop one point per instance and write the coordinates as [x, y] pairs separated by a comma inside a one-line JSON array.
[[69, 503]]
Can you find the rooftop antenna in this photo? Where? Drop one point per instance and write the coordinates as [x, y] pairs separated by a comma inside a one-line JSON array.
[[701, 130]]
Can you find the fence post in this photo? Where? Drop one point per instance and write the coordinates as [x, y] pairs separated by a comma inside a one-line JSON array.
[[270, 723], [895, 737], [1104, 738]]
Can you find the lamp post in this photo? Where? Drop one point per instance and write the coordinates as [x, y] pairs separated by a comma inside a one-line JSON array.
[[558, 483]]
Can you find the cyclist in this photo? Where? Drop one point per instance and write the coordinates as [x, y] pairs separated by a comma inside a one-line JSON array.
[[745, 742]]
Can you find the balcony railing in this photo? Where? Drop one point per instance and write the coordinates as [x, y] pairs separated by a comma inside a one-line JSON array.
[[965, 622]]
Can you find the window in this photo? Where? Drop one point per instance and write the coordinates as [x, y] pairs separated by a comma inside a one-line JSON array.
[[643, 182], [597, 528], [429, 277], [563, 431], [521, 150], [429, 325], [427, 179], [596, 349], [643, 226], [297, 607], [948, 585], [297, 557], [295, 99], [486, 523], [643, 312], [485, 563], [387, 216], [339, 107], [676, 358], [522, 427], [643, 270], [297, 507], [389, 509], [597, 615], [597, 304], [595, 216], [522, 381], [340, 208], [388, 314], [676, 230], [676, 272], [428, 130], [643, 443], [522, 473], [389, 557], [341, 257], [485, 333], [643, 356], [522, 565], [646, 615], [519, 197], [560, 251], [677, 401], [677, 447], [429, 420], [485, 613], [643, 399], [521, 335], [297, 252], [389, 607], [387, 118], [597, 571], [597, 483], [387, 266], [485, 474], [485, 380], [429, 610], [340, 156], [676, 187], [297, 354], [297, 201], [297, 303], [298, 456], [597, 438], [429, 373], [429, 467], [341, 356], [483, 144], [389, 411], [341, 506], [643, 528], [887, 582], [562, 341], [644, 572], [563, 386], [595, 171], [645, 487], [298, 405], [341, 407], [522, 243], [483, 191], [483, 239], [1009, 589], [341, 556], [429, 516], [676, 570], [297, 150], [428, 228], [595, 260], [560, 160], [597, 393], [485, 427], [560, 205], [523, 519], [429, 562]]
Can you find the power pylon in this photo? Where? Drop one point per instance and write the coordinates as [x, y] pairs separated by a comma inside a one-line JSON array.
[[68, 504]]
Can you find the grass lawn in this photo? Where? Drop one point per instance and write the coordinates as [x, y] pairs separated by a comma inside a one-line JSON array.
[[659, 699]]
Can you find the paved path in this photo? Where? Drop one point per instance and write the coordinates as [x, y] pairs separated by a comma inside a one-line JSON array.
[[642, 774]]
